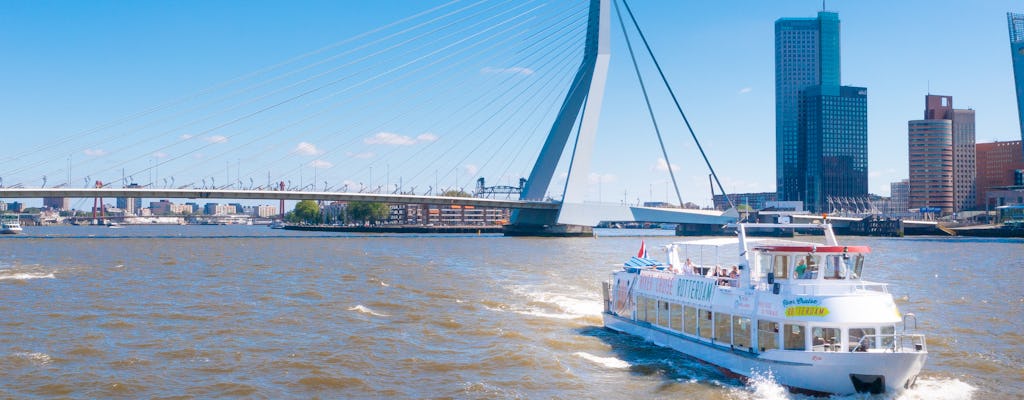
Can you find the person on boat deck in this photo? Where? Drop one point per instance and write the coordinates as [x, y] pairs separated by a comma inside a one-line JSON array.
[[735, 277], [801, 267], [692, 266], [722, 274]]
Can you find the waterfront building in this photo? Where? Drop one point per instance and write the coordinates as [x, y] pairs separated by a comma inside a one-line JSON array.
[[997, 166], [899, 194], [930, 148], [820, 126], [806, 54], [756, 201], [1016, 26], [942, 151], [164, 207], [57, 203], [130, 205], [262, 211], [964, 161], [835, 131], [218, 209]]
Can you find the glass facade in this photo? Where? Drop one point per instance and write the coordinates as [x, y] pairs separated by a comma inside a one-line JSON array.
[[806, 55], [835, 130], [1016, 25]]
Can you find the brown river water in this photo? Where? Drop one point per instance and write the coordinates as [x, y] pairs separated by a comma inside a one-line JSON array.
[[248, 312]]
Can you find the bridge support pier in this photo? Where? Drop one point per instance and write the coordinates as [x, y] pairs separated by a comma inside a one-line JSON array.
[[555, 230]]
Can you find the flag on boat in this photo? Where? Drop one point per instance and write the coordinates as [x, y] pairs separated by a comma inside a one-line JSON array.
[[643, 250]]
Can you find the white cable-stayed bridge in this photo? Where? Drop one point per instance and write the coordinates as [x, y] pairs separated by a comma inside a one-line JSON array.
[[402, 113]]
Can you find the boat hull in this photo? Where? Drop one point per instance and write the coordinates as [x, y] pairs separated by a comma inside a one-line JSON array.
[[800, 371]]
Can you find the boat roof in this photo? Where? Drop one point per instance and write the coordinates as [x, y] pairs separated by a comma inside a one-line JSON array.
[[731, 241]]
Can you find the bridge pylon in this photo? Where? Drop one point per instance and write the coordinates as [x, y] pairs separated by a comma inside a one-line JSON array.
[[583, 101]]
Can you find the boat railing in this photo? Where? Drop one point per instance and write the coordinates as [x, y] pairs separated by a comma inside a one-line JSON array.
[[834, 288], [894, 342]]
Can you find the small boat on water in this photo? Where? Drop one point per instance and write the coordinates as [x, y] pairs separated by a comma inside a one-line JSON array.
[[277, 224], [10, 225], [798, 312]]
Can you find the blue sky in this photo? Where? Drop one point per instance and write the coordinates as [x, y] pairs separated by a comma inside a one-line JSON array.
[[71, 67]]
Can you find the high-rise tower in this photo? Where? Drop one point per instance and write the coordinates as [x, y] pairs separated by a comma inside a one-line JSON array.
[[942, 157], [820, 126], [806, 55], [1016, 23]]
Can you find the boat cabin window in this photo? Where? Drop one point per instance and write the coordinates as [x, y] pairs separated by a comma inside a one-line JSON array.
[[768, 335], [825, 339], [723, 328], [794, 337], [690, 320], [857, 335], [858, 265], [764, 265], [704, 323], [663, 313], [741, 332], [677, 317], [806, 267], [887, 336], [780, 267], [652, 311], [837, 266]]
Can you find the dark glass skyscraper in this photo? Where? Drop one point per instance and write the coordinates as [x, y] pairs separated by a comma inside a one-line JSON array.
[[806, 54], [1016, 23], [835, 128], [820, 126]]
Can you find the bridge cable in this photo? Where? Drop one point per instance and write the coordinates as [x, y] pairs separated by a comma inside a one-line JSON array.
[[647, 100], [678, 107]]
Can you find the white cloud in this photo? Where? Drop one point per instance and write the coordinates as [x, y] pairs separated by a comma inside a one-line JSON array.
[[508, 70], [746, 90], [307, 149], [216, 139], [662, 165], [395, 139], [362, 156], [186, 136], [160, 154], [390, 139], [470, 169], [95, 152], [320, 164], [595, 178]]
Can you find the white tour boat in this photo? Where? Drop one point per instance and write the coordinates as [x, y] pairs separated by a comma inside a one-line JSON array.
[[796, 311], [10, 225]]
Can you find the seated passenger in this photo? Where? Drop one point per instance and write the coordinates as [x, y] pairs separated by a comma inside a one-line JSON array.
[[735, 276], [801, 267]]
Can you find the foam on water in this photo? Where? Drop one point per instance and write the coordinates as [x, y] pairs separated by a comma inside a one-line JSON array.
[[567, 302], [607, 362], [34, 358], [764, 387], [366, 310], [938, 389], [21, 276]]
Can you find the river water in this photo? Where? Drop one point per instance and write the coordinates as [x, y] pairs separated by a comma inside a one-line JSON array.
[[250, 312]]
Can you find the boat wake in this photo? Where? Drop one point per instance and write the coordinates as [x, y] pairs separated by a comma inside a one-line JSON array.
[[21, 276], [566, 303], [764, 387], [607, 362], [366, 310]]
